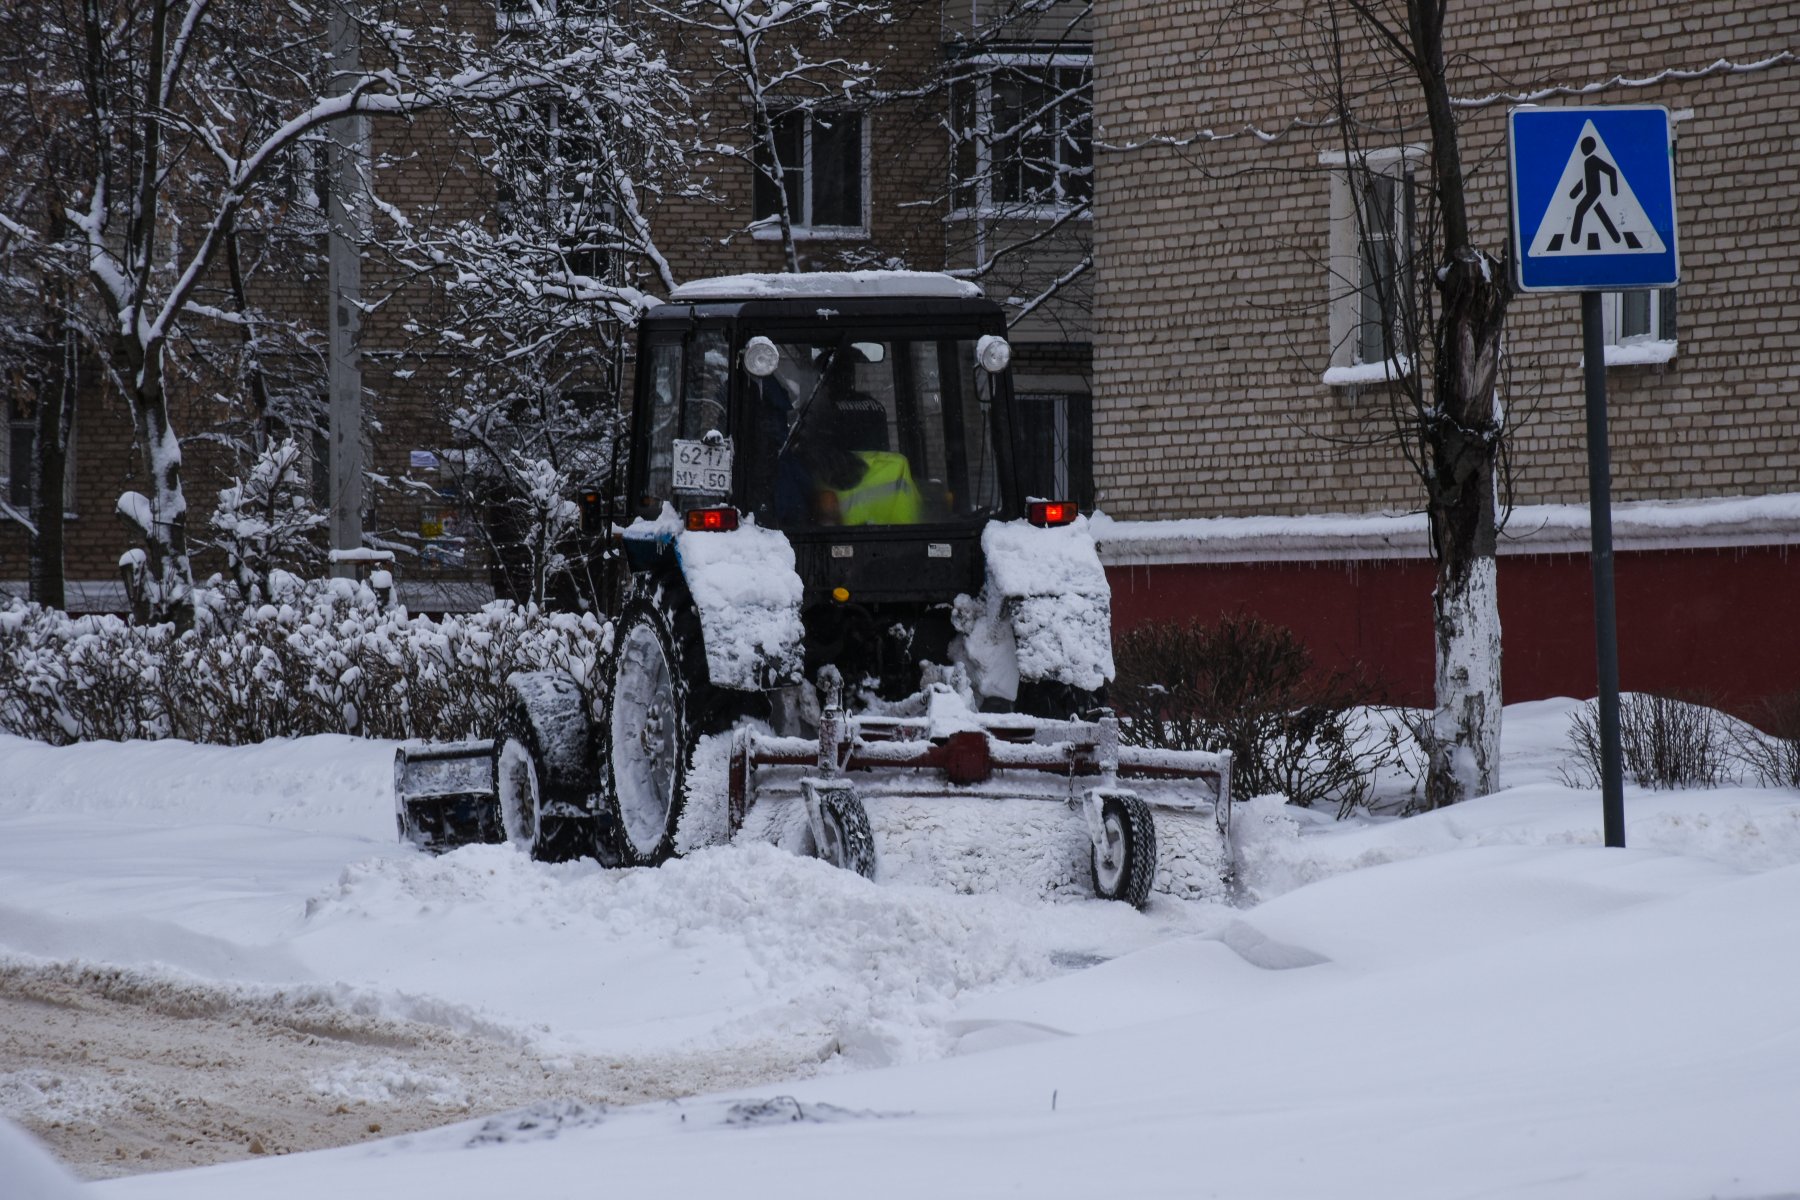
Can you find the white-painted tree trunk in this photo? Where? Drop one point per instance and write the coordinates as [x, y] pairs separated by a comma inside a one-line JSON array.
[[1465, 726]]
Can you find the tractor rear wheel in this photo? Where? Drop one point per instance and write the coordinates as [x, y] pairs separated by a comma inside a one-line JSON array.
[[1124, 860]]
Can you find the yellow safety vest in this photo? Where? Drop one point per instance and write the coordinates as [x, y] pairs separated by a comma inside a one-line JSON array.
[[886, 494]]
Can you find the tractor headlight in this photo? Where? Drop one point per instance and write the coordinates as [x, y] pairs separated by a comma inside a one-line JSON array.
[[761, 357], [993, 353]]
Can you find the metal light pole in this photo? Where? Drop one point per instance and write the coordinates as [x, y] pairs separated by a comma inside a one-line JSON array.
[[346, 223]]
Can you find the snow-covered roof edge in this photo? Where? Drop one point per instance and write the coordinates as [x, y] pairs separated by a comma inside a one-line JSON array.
[[1531, 529], [828, 284]]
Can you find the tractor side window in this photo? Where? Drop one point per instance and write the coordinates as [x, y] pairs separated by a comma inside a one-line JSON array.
[[664, 367], [974, 426], [708, 379]]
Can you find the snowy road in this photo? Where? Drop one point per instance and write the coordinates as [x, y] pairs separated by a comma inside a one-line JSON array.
[[209, 953]]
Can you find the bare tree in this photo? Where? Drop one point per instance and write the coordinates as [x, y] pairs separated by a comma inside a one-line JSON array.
[[179, 112]]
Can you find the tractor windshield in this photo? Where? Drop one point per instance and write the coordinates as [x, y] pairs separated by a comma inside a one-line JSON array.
[[859, 430]]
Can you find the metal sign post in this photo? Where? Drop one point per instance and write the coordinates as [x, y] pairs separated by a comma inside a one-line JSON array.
[[1593, 211], [1606, 621]]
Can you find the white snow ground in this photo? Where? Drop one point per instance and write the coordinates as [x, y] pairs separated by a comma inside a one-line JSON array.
[[1480, 1002]]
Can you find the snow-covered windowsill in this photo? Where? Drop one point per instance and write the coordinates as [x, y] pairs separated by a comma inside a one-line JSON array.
[[1020, 212], [812, 233], [1359, 374], [1640, 354]]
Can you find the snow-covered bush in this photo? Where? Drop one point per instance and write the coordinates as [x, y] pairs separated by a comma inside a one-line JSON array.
[[1664, 742], [1249, 686], [321, 657]]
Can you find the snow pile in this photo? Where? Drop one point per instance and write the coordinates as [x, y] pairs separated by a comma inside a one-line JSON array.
[[322, 657], [28, 1171], [1400, 1007], [748, 595]]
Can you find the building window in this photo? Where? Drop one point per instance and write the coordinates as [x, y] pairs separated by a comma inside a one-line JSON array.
[[1024, 135], [824, 171], [21, 444], [1640, 327], [1372, 269], [18, 450]]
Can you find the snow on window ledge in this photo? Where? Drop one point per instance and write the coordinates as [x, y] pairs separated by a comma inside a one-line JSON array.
[[1398, 367], [812, 233], [1640, 354], [1020, 212]]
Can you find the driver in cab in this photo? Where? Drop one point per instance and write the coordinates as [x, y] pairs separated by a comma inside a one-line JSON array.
[[855, 478]]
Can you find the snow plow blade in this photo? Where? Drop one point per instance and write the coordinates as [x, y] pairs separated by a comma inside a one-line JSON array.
[[444, 794], [1142, 819]]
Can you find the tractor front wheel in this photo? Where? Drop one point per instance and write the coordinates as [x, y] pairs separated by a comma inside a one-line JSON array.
[[525, 782]]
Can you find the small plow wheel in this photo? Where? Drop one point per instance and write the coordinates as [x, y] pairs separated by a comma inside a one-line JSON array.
[[1125, 851], [844, 838], [516, 783]]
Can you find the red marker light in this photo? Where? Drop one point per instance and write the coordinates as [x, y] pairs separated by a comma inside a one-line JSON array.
[[1043, 513], [712, 520]]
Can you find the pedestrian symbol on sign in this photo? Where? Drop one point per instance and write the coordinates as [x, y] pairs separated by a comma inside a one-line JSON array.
[[1593, 210]]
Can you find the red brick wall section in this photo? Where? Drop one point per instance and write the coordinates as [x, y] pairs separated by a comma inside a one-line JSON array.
[[1714, 623]]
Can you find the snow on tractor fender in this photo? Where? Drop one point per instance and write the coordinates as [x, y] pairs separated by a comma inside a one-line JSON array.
[[746, 592], [1044, 613]]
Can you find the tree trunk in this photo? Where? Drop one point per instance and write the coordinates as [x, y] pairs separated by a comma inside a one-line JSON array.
[[1463, 440], [1462, 430], [169, 577], [55, 417]]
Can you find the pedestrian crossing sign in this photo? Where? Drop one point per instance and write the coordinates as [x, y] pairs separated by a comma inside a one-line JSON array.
[[1593, 198]]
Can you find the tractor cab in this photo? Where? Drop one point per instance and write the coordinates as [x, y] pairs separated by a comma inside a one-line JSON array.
[[867, 416]]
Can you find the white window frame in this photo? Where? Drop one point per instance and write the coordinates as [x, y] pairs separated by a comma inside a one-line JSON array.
[[768, 229], [1654, 346], [1347, 368], [986, 207]]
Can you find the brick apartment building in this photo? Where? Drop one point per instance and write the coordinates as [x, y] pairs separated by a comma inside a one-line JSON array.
[[1235, 370], [1238, 369]]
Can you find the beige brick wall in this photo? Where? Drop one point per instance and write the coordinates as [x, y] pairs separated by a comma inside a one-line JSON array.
[[1211, 312]]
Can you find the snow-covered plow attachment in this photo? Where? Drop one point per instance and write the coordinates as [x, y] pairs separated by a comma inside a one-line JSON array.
[[444, 794], [954, 797]]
